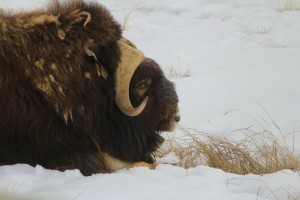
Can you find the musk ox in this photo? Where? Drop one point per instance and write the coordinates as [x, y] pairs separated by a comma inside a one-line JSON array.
[[75, 94]]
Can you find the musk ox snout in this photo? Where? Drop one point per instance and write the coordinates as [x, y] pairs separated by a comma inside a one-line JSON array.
[[175, 118]]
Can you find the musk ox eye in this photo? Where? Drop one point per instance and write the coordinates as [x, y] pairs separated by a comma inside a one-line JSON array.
[[144, 84]]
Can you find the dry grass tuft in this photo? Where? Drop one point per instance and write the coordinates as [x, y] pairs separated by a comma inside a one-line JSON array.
[[290, 5], [260, 153], [258, 36], [177, 73]]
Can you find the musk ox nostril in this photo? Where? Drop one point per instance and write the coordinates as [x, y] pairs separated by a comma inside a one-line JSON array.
[[177, 118]]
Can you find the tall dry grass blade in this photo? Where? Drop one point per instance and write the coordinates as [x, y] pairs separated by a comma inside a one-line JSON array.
[[129, 14]]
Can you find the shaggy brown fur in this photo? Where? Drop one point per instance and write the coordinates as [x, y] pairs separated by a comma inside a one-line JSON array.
[[57, 84]]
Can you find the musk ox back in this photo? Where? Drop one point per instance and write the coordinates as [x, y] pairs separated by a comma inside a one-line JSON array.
[[74, 94]]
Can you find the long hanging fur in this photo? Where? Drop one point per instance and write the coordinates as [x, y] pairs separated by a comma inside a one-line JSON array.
[[57, 104]]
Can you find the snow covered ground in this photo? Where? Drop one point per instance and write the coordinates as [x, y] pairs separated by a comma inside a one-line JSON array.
[[166, 182], [241, 55]]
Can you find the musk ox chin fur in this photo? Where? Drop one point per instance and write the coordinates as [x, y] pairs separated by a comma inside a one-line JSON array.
[[57, 92]]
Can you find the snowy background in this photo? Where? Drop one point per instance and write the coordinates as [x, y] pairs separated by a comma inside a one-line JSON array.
[[241, 56]]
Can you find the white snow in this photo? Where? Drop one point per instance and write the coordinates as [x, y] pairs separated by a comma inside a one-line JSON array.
[[242, 55], [166, 182]]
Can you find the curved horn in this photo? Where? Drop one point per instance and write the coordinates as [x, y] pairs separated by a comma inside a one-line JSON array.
[[131, 58]]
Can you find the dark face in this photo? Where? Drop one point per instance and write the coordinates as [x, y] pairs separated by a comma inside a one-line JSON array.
[[161, 112]]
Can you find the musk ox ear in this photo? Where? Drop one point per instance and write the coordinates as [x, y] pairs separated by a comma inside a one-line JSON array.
[[130, 59]]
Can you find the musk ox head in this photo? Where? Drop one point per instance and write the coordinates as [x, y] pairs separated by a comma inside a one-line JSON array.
[[148, 86], [148, 104], [149, 82]]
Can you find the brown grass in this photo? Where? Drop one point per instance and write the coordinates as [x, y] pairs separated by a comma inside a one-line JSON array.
[[177, 72], [256, 36], [290, 5], [261, 153]]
